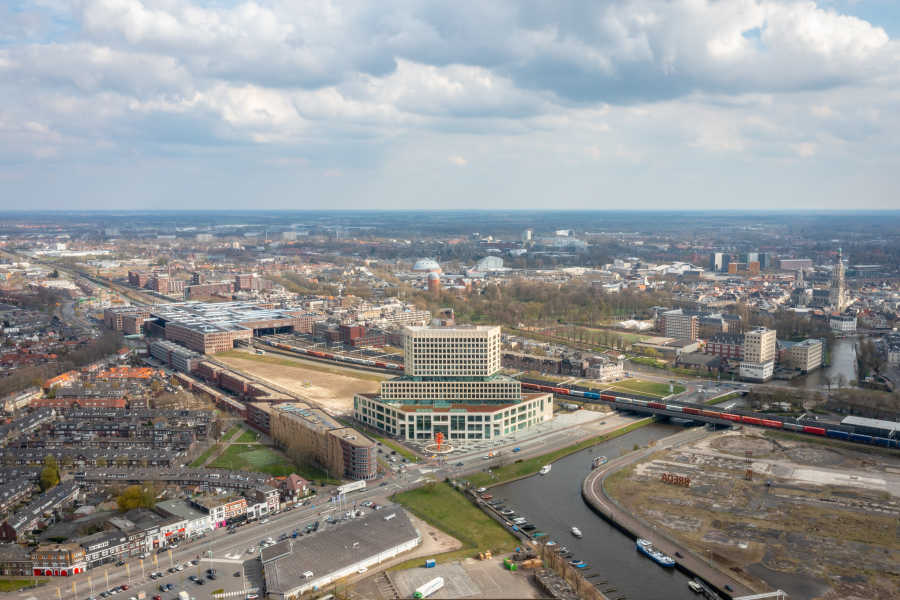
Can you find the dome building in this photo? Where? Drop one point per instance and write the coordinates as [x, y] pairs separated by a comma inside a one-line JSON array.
[[427, 265]]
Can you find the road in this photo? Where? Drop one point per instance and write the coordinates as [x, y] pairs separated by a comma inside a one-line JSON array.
[[226, 552]]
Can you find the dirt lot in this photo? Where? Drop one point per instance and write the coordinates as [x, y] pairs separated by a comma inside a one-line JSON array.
[[333, 390], [817, 521]]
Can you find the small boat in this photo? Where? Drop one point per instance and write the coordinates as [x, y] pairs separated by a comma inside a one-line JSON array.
[[695, 586], [583, 565], [598, 461], [647, 548], [545, 469], [576, 532]]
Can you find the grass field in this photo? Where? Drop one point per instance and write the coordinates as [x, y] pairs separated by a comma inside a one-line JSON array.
[[256, 457], [285, 361], [533, 465], [448, 510], [198, 462], [651, 388], [13, 585], [249, 436], [231, 431], [253, 457], [725, 398]]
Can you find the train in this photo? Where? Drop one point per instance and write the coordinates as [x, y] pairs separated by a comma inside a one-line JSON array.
[[838, 432], [378, 364]]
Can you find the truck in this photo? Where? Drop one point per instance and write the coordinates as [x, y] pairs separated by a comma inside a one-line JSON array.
[[427, 589], [183, 595]]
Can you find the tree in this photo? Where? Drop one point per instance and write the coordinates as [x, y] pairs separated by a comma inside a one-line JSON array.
[[50, 473], [136, 496]]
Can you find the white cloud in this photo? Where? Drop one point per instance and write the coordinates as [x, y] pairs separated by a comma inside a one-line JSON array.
[[344, 85]]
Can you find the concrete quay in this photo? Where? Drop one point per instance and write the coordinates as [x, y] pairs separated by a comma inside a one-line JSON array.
[[687, 561]]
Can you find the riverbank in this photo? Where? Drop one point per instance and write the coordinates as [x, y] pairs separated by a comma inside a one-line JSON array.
[[530, 466], [447, 509], [597, 499]]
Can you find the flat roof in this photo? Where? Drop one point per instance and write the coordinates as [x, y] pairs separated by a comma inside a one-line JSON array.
[[334, 547], [213, 317], [181, 509], [871, 423]]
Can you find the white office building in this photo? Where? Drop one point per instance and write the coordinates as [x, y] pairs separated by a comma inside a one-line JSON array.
[[452, 385]]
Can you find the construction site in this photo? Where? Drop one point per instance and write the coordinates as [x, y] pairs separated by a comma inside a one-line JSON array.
[[818, 520]]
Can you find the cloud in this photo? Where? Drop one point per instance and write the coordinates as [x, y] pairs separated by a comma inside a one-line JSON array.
[[351, 86]]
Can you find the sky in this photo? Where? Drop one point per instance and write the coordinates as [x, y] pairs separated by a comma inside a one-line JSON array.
[[330, 104]]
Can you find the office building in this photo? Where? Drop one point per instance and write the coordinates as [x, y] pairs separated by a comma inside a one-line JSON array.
[[452, 385], [758, 363], [680, 325], [805, 356], [215, 327], [716, 261]]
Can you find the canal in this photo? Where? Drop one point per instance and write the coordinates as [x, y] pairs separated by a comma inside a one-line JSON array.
[[553, 502], [843, 362]]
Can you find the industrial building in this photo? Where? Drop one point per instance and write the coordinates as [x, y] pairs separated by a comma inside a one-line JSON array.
[[304, 432], [293, 567], [452, 385], [215, 327]]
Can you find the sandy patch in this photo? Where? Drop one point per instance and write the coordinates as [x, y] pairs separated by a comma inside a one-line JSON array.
[[332, 391]]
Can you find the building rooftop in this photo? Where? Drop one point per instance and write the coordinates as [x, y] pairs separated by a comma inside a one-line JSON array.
[[871, 423], [214, 317], [313, 417], [334, 547], [181, 509]]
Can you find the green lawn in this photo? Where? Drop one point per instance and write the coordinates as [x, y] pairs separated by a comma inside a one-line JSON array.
[[14, 585], [450, 511], [253, 457], [198, 462], [725, 398], [231, 431], [533, 465], [256, 457], [652, 388], [248, 437]]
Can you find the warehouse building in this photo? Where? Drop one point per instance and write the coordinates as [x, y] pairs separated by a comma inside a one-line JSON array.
[[292, 568]]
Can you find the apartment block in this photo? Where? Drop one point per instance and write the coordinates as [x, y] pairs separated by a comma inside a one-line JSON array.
[[307, 433], [805, 356]]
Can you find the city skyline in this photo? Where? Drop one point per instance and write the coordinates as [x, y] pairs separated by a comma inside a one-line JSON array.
[[162, 105]]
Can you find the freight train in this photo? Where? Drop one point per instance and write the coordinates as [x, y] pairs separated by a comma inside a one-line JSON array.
[[378, 364], [839, 432]]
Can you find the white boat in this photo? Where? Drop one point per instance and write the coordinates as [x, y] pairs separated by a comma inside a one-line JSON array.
[[695, 587], [576, 532], [545, 469]]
